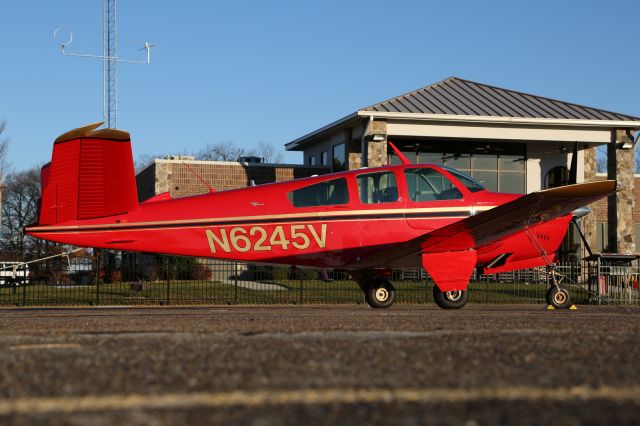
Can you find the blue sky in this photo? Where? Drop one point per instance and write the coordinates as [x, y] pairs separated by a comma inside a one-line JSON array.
[[271, 71]]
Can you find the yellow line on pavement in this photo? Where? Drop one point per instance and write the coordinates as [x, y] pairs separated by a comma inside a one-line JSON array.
[[36, 346], [252, 399]]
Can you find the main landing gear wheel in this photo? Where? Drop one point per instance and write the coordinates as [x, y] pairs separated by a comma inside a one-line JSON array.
[[450, 299], [558, 297], [380, 294]]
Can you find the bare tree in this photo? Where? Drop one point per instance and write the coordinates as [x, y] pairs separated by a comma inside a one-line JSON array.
[[4, 150], [601, 159], [4, 162], [143, 161], [267, 152], [221, 151], [19, 209]]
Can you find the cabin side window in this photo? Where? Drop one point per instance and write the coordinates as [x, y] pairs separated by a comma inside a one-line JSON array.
[[376, 188], [327, 193], [426, 184]]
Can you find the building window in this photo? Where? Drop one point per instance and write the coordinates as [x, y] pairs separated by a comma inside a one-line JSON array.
[[324, 158], [498, 167], [313, 160], [327, 193], [377, 188], [339, 157]]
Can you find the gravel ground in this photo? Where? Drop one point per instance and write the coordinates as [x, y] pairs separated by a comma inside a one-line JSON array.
[[309, 365]]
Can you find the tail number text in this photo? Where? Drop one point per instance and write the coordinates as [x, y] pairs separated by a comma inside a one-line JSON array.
[[256, 238]]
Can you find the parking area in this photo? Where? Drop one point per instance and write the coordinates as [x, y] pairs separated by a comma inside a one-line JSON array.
[[485, 364]]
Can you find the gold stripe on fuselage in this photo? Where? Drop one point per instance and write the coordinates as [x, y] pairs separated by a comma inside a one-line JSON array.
[[295, 217]]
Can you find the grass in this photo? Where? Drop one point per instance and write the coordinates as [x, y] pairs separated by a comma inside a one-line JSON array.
[[293, 292]]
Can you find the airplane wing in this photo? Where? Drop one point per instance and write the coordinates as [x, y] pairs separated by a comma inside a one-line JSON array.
[[492, 225], [464, 237]]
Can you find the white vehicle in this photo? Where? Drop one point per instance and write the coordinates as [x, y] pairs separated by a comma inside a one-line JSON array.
[[13, 274]]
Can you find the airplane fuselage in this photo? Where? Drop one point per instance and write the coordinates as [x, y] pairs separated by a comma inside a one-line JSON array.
[[298, 222]]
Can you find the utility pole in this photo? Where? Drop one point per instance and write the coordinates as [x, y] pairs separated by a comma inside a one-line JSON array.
[[110, 60]]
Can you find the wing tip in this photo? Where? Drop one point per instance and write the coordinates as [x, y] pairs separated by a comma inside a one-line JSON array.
[[586, 189]]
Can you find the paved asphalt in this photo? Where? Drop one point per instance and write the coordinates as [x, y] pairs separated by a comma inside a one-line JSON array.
[[310, 365]]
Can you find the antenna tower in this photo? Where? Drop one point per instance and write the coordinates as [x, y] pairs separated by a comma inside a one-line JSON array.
[[110, 47], [109, 57]]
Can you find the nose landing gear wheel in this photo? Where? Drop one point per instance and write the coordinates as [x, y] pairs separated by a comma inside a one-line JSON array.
[[450, 299], [558, 297], [380, 294]]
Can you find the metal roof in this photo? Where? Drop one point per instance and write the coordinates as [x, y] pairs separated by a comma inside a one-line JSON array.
[[456, 96], [457, 100]]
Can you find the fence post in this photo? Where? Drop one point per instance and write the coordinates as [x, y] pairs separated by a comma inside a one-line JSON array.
[[235, 283], [24, 294], [168, 280], [426, 286], [97, 277], [301, 291], [598, 286], [486, 292]]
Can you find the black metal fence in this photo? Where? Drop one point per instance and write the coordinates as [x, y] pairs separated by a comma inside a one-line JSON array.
[[133, 278]]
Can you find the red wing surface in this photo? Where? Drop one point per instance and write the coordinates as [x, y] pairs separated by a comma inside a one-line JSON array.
[[492, 225]]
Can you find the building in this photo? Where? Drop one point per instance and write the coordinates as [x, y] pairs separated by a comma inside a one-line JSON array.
[[184, 176], [509, 140]]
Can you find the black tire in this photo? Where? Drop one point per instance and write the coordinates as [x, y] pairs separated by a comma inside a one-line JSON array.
[[450, 299], [558, 297], [380, 294]]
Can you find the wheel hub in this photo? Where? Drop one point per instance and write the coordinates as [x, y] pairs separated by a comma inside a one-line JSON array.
[[560, 297], [453, 295], [382, 294]]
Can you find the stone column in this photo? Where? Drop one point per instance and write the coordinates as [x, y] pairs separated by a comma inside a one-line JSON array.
[[163, 177], [621, 235], [377, 150], [589, 221], [354, 161], [353, 150]]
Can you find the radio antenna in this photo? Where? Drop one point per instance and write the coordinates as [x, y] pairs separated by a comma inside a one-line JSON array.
[[109, 57], [200, 178]]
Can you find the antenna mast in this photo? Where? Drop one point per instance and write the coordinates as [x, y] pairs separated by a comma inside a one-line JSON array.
[[110, 47], [109, 58]]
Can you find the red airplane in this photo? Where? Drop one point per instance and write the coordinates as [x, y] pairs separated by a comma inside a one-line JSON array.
[[364, 221]]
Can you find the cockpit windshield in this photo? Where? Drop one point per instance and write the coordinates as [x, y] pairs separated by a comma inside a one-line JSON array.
[[471, 184]]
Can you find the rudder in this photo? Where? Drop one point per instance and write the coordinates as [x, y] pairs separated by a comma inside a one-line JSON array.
[[91, 175]]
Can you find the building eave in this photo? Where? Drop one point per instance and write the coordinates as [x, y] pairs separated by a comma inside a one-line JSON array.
[[622, 124], [295, 145]]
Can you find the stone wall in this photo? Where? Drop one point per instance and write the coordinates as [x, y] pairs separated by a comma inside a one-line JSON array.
[[620, 205], [377, 150], [179, 179], [589, 222]]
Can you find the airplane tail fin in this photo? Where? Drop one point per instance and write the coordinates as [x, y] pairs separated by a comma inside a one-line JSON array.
[[91, 175]]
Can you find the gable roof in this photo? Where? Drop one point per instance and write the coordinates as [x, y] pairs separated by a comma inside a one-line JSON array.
[[456, 96], [457, 100]]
